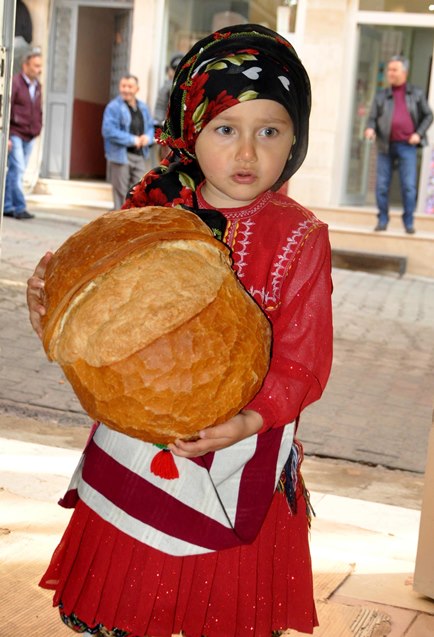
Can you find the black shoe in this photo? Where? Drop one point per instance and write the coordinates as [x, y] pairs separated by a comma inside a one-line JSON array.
[[380, 227], [7, 213], [410, 230], [23, 215]]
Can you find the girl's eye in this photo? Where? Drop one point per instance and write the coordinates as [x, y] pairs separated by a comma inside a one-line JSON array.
[[269, 132], [225, 130]]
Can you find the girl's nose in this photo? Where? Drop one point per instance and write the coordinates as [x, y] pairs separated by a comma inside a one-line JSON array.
[[246, 150]]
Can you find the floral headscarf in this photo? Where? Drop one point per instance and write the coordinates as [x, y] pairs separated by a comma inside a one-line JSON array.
[[236, 64]]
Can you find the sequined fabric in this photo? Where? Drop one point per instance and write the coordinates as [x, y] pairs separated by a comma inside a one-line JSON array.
[[106, 579]]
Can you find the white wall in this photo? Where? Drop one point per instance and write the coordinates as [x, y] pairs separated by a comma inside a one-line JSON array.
[[324, 52], [147, 47]]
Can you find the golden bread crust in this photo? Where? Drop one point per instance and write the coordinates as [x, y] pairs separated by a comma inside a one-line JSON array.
[[160, 340]]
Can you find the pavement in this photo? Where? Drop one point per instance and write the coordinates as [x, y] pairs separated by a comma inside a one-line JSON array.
[[365, 443]]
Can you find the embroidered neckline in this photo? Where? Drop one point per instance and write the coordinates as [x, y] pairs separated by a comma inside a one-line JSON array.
[[233, 214]]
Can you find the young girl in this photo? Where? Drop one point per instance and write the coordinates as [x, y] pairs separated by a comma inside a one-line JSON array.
[[221, 551]]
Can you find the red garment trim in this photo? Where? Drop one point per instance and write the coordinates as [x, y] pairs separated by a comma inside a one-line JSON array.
[[129, 491]]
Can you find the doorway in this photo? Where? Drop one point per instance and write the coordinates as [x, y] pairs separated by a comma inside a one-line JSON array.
[[89, 50], [376, 45]]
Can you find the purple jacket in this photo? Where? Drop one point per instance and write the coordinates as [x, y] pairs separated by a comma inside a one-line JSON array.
[[26, 114]]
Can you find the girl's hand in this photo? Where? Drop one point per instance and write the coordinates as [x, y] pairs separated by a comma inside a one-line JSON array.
[[35, 294], [246, 423]]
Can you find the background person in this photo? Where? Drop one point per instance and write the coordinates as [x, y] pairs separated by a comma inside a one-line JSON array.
[[25, 125], [399, 119], [162, 100], [128, 130]]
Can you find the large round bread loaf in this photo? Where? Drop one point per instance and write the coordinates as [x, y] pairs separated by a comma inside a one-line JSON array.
[[151, 326]]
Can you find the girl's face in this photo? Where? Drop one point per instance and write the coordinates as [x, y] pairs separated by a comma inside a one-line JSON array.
[[242, 152]]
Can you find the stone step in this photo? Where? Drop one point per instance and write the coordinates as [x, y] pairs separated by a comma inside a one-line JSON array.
[[352, 235], [367, 218], [369, 261], [97, 194]]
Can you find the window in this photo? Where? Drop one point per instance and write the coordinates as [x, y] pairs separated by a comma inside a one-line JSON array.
[[191, 20], [402, 6]]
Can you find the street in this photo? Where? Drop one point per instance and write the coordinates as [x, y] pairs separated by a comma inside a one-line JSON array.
[[377, 407]]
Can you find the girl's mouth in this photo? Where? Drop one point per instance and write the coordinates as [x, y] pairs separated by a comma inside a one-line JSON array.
[[244, 178]]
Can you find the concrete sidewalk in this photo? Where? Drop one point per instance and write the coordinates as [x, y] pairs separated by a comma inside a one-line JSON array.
[[363, 552]]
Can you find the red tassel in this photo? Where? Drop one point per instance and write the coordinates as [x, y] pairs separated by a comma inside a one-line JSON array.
[[163, 465]]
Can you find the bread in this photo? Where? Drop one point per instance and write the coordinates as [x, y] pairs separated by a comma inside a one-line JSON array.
[[151, 326]]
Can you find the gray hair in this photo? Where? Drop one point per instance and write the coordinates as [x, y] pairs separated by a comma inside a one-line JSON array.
[[129, 76], [404, 61], [29, 53]]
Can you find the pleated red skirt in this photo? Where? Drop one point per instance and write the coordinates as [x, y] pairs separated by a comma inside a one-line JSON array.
[[105, 577]]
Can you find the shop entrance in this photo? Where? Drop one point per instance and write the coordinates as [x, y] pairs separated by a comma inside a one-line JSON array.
[[376, 45], [88, 52]]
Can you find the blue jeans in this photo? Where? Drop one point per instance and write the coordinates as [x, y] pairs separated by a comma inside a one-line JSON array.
[[405, 156], [18, 158]]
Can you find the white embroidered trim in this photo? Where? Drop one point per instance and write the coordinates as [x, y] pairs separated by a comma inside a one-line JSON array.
[[280, 266], [244, 231]]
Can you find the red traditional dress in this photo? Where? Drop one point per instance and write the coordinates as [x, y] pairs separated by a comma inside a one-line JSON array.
[[217, 551]]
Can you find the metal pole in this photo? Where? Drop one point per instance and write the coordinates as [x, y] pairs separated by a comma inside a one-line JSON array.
[[7, 24]]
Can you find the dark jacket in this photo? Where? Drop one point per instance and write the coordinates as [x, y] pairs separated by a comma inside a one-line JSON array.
[[26, 114], [162, 103], [380, 117]]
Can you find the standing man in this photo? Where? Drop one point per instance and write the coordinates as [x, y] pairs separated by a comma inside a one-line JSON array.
[[128, 130], [399, 119], [25, 125], [162, 100]]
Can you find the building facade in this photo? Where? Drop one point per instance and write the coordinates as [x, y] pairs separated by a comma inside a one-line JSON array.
[[344, 44]]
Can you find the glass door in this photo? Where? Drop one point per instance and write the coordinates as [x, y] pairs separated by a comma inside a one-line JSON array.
[[377, 44], [368, 77], [60, 89]]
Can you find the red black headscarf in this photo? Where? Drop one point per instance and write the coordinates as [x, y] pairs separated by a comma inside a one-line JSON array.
[[236, 64]]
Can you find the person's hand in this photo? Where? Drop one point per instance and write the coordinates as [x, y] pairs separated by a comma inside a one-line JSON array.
[[35, 294], [246, 423], [9, 145], [144, 140], [414, 139], [370, 134]]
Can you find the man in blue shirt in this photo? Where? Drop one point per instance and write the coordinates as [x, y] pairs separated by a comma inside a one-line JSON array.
[[128, 131]]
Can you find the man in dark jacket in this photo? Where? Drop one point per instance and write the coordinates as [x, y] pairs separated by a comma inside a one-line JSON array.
[[399, 119], [25, 125]]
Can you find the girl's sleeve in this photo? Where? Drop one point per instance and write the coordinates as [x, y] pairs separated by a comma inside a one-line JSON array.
[[302, 336]]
